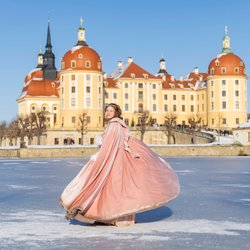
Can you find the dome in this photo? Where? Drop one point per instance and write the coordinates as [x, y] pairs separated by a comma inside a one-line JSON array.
[[227, 64], [81, 58]]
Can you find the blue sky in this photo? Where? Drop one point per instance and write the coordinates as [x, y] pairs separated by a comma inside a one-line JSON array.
[[188, 33]]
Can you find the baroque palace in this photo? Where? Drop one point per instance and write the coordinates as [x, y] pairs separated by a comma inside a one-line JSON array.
[[218, 97]]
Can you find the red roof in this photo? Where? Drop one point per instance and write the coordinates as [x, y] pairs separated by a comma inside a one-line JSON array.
[[138, 72], [228, 61], [85, 58], [35, 85]]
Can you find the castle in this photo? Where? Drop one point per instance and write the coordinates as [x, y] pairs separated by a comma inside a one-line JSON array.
[[217, 97]]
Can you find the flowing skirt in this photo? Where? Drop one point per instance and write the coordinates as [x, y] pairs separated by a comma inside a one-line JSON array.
[[116, 184]]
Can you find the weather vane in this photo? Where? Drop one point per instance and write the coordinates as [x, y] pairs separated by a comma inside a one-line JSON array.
[[81, 21], [226, 30]]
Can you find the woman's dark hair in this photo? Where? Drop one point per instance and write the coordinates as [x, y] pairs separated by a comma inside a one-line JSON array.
[[118, 111]]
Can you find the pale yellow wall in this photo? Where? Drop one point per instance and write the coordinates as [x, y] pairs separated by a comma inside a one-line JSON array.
[[198, 101], [90, 103], [216, 112], [51, 104]]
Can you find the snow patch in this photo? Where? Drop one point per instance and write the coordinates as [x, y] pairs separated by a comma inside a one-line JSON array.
[[39, 225]]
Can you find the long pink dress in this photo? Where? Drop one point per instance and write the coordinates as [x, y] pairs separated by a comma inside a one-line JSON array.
[[125, 177]]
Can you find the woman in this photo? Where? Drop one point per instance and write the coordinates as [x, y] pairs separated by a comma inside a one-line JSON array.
[[125, 177]]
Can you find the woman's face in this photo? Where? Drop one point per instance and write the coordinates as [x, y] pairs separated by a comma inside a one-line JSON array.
[[109, 113]]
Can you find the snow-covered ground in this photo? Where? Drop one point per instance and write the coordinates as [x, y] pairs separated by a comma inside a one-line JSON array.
[[212, 211]]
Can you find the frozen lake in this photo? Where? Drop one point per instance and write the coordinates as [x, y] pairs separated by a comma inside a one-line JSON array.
[[212, 211]]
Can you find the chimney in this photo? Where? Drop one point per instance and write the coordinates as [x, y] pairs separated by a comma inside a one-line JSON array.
[[181, 78], [130, 60], [196, 70], [172, 78], [119, 64]]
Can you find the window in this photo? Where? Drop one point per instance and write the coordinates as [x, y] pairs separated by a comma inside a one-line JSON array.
[[73, 64], [211, 71], [224, 105], [56, 141], [73, 119], [202, 107], [99, 65], [88, 89], [212, 121], [88, 101], [140, 85], [165, 97], [87, 64], [88, 119], [33, 109], [212, 83], [183, 108], [73, 102], [115, 95], [212, 94], [224, 121], [237, 82], [55, 108], [174, 108], [237, 105], [126, 121], [126, 85], [55, 118], [248, 136], [140, 107], [236, 93], [88, 77], [212, 105], [99, 90], [44, 108], [92, 140], [73, 89], [154, 107], [154, 96], [236, 70], [202, 96], [237, 121], [106, 95], [62, 89], [183, 97], [166, 108], [73, 77], [174, 97], [223, 70], [223, 92], [223, 82], [80, 56], [126, 106], [126, 96], [140, 95], [191, 97], [192, 108], [154, 86]]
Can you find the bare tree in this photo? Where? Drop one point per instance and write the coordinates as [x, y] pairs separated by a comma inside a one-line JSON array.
[[3, 130], [194, 121], [82, 125], [12, 132], [39, 122], [143, 122], [26, 126], [170, 125], [220, 118]]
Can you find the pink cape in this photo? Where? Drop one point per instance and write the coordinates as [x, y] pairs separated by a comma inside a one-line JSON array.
[[125, 177]]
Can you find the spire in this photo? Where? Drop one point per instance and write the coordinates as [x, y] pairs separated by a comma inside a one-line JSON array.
[[49, 68], [40, 59], [81, 35], [48, 44], [226, 42], [162, 66]]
